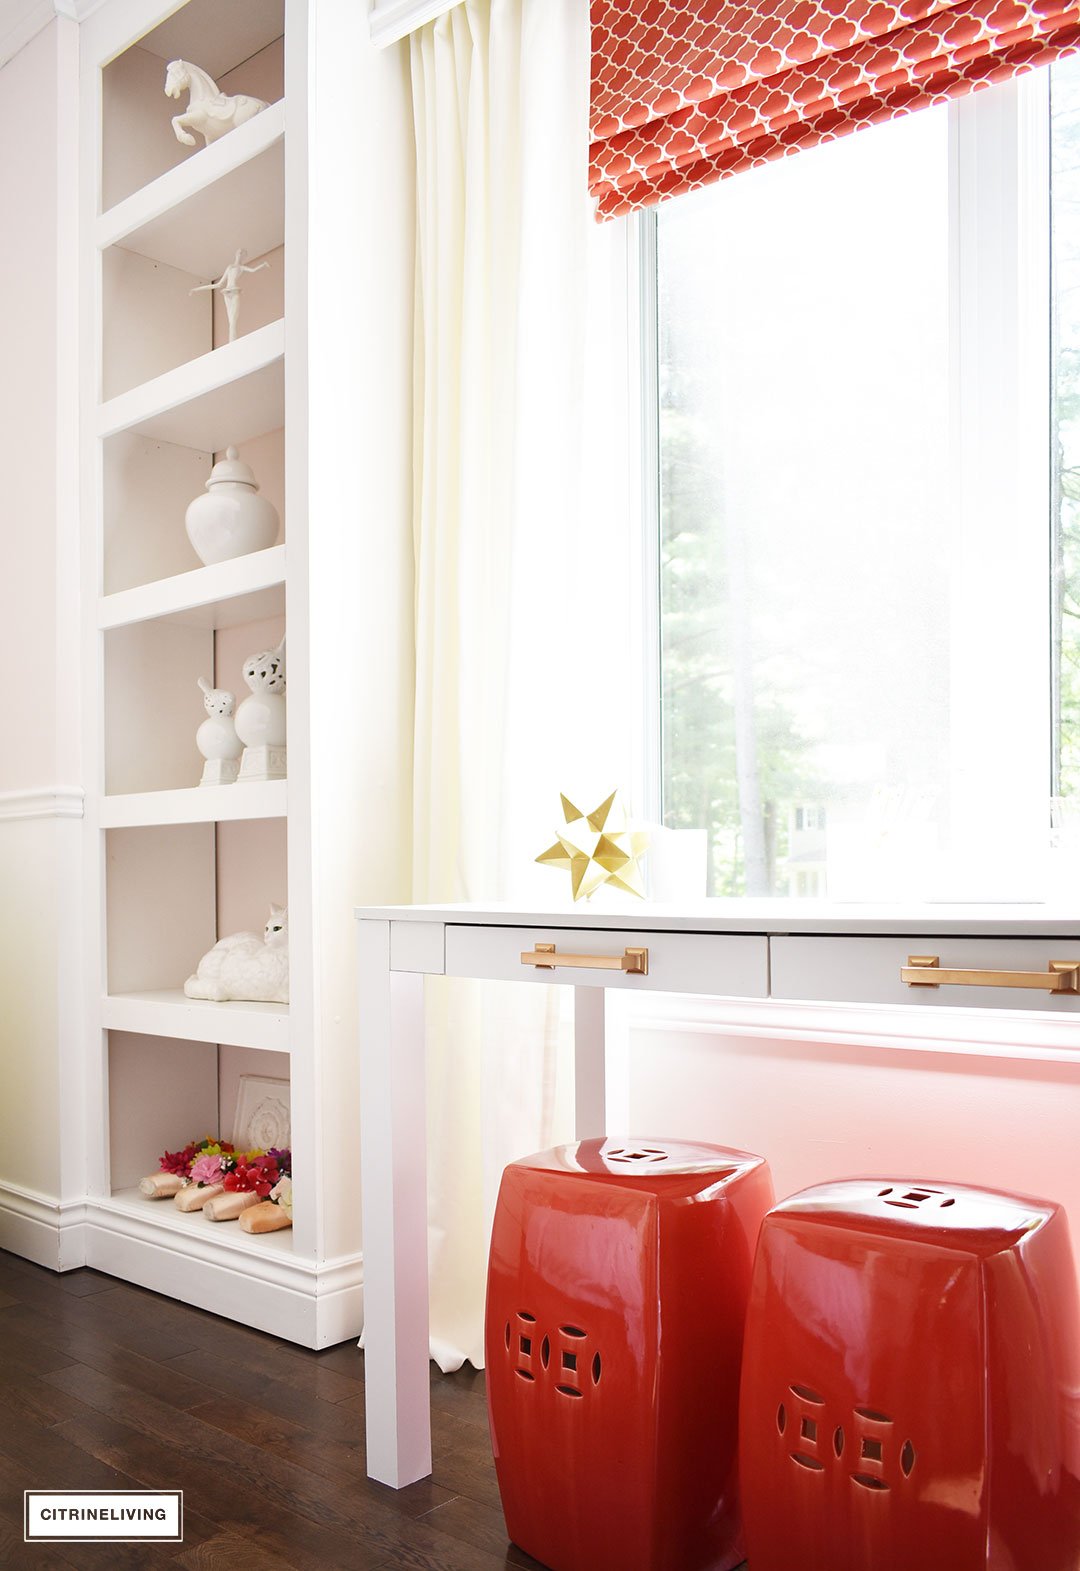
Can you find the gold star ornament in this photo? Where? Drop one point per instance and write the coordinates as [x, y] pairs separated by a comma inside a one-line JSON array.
[[598, 848]]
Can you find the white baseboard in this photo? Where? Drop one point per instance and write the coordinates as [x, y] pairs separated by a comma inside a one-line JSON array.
[[42, 1229], [312, 1305], [266, 1288]]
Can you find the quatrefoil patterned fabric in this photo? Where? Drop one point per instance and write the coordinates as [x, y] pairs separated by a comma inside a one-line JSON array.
[[686, 93]]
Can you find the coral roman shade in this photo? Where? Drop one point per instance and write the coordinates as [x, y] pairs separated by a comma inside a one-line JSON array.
[[687, 91]]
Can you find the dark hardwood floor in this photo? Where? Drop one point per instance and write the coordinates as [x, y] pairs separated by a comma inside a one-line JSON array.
[[106, 1386]]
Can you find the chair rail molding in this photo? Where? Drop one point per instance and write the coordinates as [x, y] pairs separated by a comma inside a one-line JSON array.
[[51, 801], [392, 20]]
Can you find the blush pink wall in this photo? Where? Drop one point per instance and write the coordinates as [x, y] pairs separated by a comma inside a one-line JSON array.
[[819, 1112]]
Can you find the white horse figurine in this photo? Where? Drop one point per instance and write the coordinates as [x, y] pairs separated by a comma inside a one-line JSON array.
[[209, 111]]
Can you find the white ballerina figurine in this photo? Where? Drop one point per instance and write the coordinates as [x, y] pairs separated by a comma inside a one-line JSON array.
[[260, 720], [216, 738], [229, 284], [245, 966], [210, 111]]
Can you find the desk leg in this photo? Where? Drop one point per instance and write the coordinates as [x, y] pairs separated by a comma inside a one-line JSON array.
[[393, 1164], [590, 1076]]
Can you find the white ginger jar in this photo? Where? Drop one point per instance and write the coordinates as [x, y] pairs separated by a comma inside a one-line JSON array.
[[231, 519], [216, 738]]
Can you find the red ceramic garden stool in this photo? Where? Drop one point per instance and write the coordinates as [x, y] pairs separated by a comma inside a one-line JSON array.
[[911, 1383], [617, 1292]]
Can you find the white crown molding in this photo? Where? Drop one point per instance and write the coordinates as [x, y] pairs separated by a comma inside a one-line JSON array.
[[77, 10], [45, 802], [394, 19], [22, 20]]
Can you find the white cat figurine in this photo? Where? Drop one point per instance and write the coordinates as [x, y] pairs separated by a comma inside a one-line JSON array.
[[216, 738], [245, 966]]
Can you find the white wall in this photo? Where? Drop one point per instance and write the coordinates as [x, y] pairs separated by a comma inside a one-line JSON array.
[[39, 757]]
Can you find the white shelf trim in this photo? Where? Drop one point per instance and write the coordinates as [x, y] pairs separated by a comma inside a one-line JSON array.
[[195, 805], [203, 586], [394, 19], [42, 802], [168, 1013], [196, 174], [263, 1256], [206, 374]]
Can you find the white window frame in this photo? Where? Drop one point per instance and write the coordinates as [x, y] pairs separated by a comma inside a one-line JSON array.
[[1000, 355]]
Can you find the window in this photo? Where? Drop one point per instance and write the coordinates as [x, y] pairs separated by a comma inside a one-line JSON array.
[[867, 420]]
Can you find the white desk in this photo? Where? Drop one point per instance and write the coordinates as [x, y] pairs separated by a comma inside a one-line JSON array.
[[738, 949]]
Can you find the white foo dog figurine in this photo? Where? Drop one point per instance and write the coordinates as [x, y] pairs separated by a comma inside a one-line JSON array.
[[210, 112], [245, 966], [260, 720], [216, 738]]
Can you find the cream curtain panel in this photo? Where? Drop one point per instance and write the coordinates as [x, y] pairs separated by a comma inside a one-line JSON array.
[[514, 536]]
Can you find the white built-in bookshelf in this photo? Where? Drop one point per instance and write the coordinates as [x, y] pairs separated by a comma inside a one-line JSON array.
[[172, 866]]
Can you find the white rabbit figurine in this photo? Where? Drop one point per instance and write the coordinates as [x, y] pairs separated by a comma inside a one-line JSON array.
[[260, 720], [216, 738], [247, 967]]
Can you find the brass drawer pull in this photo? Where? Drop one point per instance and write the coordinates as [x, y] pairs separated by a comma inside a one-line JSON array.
[[545, 957], [1061, 976]]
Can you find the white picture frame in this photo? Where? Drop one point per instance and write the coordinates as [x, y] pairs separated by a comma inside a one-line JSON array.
[[263, 1113]]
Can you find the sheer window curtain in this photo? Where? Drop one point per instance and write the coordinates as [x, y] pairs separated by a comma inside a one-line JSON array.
[[523, 571]]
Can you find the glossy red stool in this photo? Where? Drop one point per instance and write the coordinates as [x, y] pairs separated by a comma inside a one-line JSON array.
[[910, 1383], [617, 1289]]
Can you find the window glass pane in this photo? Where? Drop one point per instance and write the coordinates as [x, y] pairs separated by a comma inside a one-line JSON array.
[[803, 313], [1065, 438]]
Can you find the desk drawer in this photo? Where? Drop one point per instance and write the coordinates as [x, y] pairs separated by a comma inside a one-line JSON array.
[[867, 970], [736, 964]]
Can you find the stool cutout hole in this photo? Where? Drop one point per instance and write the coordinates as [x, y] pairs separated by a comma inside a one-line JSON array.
[[810, 1462], [807, 1395], [545, 1351], [568, 1390], [526, 1344], [523, 1314], [871, 1449], [838, 1440], [506, 1336], [907, 1458], [872, 1415], [571, 1331], [808, 1429], [524, 1374], [596, 1370], [781, 1418], [569, 1361], [868, 1481]]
